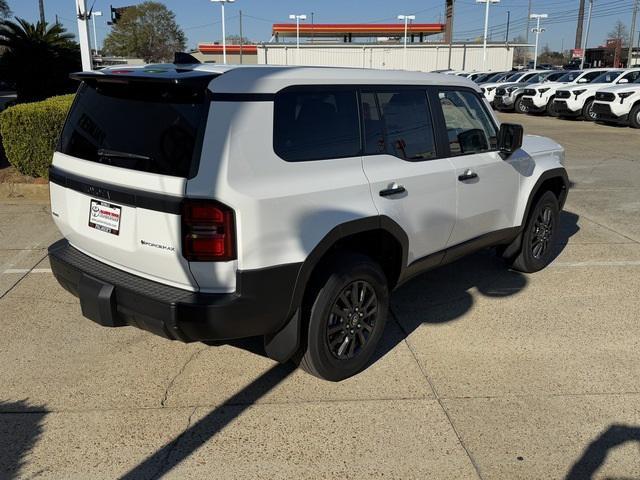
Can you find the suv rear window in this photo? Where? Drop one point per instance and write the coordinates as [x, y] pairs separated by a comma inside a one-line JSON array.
[[156, 128]]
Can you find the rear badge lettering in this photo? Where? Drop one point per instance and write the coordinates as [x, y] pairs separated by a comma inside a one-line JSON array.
[[158, 246]]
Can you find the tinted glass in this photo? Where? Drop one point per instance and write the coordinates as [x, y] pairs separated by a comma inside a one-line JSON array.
[[316, 124], [569, 77], [529, 76], [513, 78], [607, 77], [469, 127], [494, 77], [151, 128], [632, 76], [590, 77], [554, 77], [398, 123], [637, 80]]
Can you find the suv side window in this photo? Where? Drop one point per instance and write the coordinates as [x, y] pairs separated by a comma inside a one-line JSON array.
[[632, 76], [398, 122], [469, 127], [592, 75], [316, 124]]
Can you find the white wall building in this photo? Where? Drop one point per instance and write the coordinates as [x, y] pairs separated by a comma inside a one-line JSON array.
[[420, 57]]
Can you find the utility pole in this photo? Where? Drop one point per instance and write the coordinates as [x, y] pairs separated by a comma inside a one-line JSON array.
[[41, 5], [537, 31], [580, 25], [528, 24], [633, 31], [83, 34], [586, 37], [486, 29], [506, 37], [448, 33], [313, 32], [241, 37]]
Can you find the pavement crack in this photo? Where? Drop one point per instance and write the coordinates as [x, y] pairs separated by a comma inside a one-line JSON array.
[[164, 464], [476, 467], [193, 356]]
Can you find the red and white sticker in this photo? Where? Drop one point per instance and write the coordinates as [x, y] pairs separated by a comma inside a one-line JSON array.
[[105, 217]]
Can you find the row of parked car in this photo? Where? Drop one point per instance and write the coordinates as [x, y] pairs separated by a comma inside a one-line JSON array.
[[606, 95]]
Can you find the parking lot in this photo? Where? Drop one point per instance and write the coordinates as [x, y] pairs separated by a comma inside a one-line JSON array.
[[483, 373]]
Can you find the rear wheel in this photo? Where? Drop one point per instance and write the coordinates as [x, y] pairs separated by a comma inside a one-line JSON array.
[[347, 319], [551, 108], [520, 107], [634, 117], [587, 111], [539, 235]]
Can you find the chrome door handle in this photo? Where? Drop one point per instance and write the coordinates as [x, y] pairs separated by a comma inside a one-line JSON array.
[[467, 175]]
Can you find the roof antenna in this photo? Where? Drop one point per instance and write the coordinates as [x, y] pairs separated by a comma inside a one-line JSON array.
[[182, 58]]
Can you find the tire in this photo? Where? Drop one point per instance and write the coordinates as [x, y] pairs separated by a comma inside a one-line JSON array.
[[519, 107], [634, 117], [538, 235], [340, 345], [551, 109], [587, 111]]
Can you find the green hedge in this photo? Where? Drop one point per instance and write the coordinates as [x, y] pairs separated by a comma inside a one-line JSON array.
[[30, 132]]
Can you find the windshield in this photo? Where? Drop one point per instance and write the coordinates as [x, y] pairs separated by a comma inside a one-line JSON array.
[[513, 78], [155, 128], [483, 77], [569, 77], [553, 77], [607, 77], [495, 77]]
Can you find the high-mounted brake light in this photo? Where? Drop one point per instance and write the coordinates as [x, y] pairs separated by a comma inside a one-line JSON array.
[[208, 231]]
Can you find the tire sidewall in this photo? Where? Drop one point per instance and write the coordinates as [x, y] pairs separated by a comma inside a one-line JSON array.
[[534, 264], [325, 364], [634, 117], [586, 111]]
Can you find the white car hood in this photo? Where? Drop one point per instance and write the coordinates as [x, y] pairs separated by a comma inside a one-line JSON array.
[[589, 87], [631, 87]]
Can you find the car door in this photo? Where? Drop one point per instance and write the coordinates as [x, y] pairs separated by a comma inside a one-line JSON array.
[[411, 181], [487, 186]]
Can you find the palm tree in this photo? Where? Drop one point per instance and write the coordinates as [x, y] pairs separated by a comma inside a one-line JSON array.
[[5, 11], [38, 58]]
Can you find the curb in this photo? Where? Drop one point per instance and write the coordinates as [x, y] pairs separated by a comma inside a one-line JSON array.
[[27, 191]]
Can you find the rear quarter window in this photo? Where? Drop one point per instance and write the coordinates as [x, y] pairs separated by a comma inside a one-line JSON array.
[[313, 124]]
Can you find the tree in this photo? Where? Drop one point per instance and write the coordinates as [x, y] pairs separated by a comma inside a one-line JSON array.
[[5, 11], [38, 58], [620, 32], [148, 31]]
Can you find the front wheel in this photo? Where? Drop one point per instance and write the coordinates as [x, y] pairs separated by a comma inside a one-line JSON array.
[[539, 235], [347, 319], [551, 108], [587, 111], [634, 117], [520, 107]]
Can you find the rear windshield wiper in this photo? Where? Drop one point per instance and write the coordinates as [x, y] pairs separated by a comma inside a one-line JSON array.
[[103, 152]]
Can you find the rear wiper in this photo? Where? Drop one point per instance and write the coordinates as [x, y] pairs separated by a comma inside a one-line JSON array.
[[103, 152]]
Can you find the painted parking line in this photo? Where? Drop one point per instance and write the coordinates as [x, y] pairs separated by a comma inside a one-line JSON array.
[[26, 270], [623, 263]]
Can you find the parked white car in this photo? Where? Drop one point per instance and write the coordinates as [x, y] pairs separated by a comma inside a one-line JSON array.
[[539, 98], [619, 104], [489, 89], [509, 95], [577, 100], [211, 202]]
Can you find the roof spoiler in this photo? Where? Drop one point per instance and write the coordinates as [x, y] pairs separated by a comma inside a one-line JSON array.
[[182, 58]]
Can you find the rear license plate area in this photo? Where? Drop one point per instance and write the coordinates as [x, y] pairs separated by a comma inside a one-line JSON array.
[[105, 217]]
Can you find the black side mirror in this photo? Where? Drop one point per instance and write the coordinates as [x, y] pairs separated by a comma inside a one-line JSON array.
[[510, 138]]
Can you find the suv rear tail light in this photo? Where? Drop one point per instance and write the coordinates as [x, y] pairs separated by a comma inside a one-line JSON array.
[[208, 231]]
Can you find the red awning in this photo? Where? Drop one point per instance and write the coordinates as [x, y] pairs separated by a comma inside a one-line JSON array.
[[215, 48], [356, 29]]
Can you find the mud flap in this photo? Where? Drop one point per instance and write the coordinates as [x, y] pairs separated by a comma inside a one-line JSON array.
[[97, 301]]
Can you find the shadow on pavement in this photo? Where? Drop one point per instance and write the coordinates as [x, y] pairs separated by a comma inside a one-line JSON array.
[[596, 453], [447, 286], [20, 429]]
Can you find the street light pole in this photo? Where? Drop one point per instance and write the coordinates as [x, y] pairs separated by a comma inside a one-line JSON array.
[[406, 19], [586, 37], [95, 35], [83, 34], [633, 32], [486, 29], [537, 31], [224, 33], [297, 18]]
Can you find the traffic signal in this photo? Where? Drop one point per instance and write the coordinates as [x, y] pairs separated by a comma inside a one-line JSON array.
[[116, 14]]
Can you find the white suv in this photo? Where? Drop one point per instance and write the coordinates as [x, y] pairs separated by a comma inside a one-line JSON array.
[[619, 104], [540, 98], [489, 89], [577, 100], [208, 202]]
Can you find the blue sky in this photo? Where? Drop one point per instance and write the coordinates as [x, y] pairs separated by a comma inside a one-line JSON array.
[[200, 19]]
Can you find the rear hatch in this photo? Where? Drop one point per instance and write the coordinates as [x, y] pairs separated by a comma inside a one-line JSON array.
[[131, 141]]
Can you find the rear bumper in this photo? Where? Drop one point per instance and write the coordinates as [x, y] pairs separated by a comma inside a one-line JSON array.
[[113, 298]]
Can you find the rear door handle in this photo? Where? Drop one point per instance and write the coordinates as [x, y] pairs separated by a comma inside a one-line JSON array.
[[393, 190], [467, 175]]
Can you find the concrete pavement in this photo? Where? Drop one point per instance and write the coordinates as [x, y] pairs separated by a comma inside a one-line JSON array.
[[483, 372]]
